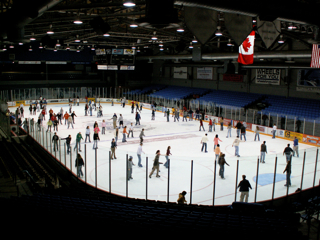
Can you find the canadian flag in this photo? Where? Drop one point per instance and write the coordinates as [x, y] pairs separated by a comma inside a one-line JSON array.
[[246, 50]]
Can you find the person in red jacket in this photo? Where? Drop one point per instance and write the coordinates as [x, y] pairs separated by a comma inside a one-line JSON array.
[[65, 117]]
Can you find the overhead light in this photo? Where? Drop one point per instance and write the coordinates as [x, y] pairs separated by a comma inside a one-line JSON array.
[[194, 40], [133, 47], [154, 37], [20, 43], [190, 46], [280, 41], [4, 48], [229, 44], [161, 45], [77, 40], [106, 35], [30, 49], [77, 20], [180, 30], [67, 47], [50, 31], [32, 38], [291, 26], [218, 32], [55, 49], [161, 49], [40, 46], [11, 46], [93, 48], [58, 44], [129, 3], [133, 25]]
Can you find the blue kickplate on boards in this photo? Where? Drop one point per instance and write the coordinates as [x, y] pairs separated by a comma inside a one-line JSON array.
[[267, 178]]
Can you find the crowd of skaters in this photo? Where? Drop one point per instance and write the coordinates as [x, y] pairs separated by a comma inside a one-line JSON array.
[[54, 119]]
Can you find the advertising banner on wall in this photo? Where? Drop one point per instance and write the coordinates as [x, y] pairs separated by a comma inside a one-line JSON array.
[[311, 139], [205, 73], [292, 135], [268, 76], [180, 72]]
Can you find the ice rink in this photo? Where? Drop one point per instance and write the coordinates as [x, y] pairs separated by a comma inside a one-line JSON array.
[[190, 169]]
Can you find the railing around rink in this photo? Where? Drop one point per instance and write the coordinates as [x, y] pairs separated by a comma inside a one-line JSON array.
[[199, 177], [304, 125]]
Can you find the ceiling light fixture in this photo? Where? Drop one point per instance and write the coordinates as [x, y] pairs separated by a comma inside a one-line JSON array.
[[129, 3], [58, 44], [40, 46], [30, 49], [67, 47], [77, 20], [281, 41], [218, 33], [77, 40], [154, 37], [180, 30], [133, 25], [4, 48], [229, 44], [194, 40], [106, 35], [32, 38], [291, 26], [50, 31]]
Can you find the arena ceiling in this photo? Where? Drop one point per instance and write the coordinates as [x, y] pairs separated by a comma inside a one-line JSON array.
[[108, 24]]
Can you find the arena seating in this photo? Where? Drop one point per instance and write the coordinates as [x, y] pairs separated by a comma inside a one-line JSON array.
[[229, 98], [178, 92]]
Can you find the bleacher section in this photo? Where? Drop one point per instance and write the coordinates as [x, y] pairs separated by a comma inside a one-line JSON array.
[[147, 89], [302, 108], [178, 92], [293, 107], [229, 98]]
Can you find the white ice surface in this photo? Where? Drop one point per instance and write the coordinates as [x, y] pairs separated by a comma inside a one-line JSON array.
[[184, 139]]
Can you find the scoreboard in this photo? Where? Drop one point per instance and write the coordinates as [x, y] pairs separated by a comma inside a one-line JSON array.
[[115, 56]]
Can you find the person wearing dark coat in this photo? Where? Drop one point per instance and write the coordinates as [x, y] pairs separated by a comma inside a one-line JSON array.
[[79, 163], [244, 186]]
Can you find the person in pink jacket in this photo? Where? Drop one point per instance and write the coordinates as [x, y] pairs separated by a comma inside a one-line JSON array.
[[215, 141]]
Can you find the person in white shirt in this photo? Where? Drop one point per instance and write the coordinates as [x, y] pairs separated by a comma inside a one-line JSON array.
[[87, 134], [204, 141], [130, 130], [235, 144], [139, 151], [274, 131]]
